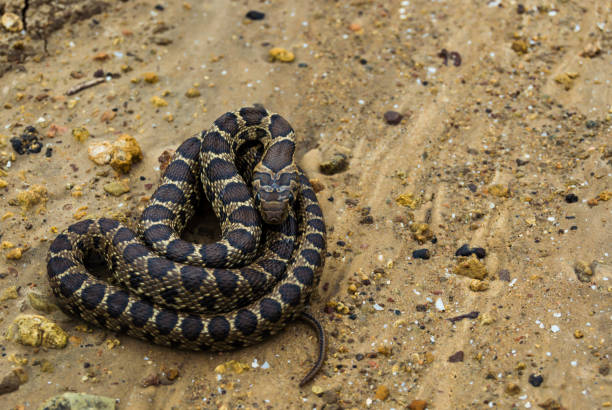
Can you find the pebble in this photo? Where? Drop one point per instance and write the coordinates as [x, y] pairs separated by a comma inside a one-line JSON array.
[[535, 380], [464, 250], [421, 254], [504, 275], [255, 15], [421, 232], [11, 22], [35, 195], [456, 357], [117, 188], [479, 285], [417, 405], [41, 303], [150, 78], [9, 293], [78, 401], [280, 54], [80, 133], [382, 392], [407, 199], [571, 198], [583, 271], [392, 117], [126, 151], [36, 330], [338, 163], [471, 268], [14, 254], [9, 383], [158, 102], [27, 143], [512, 388], [192, 93]]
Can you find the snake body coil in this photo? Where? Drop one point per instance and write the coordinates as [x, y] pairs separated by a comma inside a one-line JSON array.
[[176, 293]]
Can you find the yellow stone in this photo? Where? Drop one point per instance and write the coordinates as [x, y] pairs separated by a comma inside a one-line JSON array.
[[11, 22], [80, 133], [382, 392], [125, 152], [3, 183], [150, 78], [499, 191], [117, 188], [33, 196], [472, 268], [9, 293], [479, 285], [578, 334], [282, 55], [14, 254], [36, 330], [192, 93], [158, 101], [407, 199]]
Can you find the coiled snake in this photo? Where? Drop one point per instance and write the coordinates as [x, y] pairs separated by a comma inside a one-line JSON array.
[[213, 296]]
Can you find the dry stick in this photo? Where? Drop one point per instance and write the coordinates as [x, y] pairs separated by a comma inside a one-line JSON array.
[[80, 87]]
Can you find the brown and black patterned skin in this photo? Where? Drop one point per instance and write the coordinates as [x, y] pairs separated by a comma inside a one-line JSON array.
[[174, 303]]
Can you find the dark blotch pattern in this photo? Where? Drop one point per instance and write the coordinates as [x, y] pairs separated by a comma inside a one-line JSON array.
[[179, 250], [191, 326], [214, 253], [314, 258], [58, 265], [106, 225], [316, 239], [246, 322], [61, 243], [279, 155], [252, 115], [245, 216], [304, 274], [80, 228], [279, 127], [242, 239], [273, 267], [157, 213], [71, 283], [190, 149], [218, 327], [315, 210], [141, 312], [192, 277], [178, 171], [216, 143], [270, 309], [234, 192], [219, 169], [290, 294], [169, 296], [282, 248], [93, 295], [169, 193], [122, 235], [255, 278], [228, 122], [134, 251], [157, 233], [165, 321], [318, 224], [226, 281], [159, 267], [116, 303]]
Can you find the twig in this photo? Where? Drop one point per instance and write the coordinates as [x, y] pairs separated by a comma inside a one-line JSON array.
[[471, 315], [87, 84]]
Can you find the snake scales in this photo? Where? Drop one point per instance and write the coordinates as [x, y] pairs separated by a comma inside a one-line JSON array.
[[219, 296]]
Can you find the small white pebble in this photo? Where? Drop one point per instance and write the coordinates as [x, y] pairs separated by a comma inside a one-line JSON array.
[[266, 365], [440, 304], [554, 328]]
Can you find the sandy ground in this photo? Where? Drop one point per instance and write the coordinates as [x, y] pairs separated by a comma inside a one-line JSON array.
[[489, 150]]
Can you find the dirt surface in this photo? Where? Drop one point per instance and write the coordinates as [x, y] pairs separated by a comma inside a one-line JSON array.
[[504, 145]]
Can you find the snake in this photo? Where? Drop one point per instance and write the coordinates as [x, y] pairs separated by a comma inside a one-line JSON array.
[[218, 296]]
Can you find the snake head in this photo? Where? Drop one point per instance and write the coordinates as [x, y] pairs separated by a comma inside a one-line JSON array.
[[274, 194]]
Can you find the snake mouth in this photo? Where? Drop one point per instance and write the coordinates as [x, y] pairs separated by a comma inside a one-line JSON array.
[[273, 212]]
